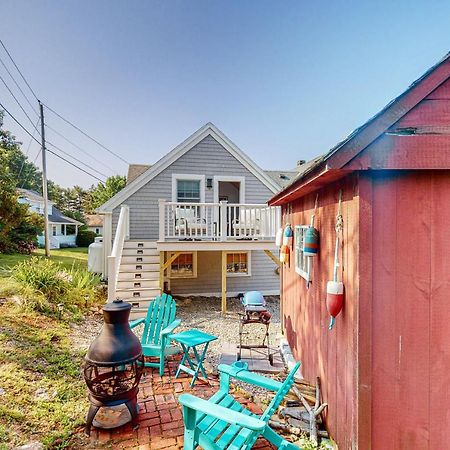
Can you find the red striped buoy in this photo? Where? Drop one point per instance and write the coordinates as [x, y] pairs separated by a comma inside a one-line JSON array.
[[288, 235], [311, 242], [335, 299]]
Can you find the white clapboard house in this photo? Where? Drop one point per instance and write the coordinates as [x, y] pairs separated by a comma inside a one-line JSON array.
[[63, 230], [196, 223]]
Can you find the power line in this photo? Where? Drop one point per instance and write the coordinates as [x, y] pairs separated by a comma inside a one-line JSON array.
[[18, 86], [74, 165], [26, 156], [18, 70], [73, 157], [50, 151], [20, 105], [37, 156], [79, 148], [87, 135]]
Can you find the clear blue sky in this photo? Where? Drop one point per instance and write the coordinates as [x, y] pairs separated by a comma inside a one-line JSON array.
[[285, 80]]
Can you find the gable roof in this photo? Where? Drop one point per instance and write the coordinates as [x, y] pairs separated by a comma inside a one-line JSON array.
[[31, 195], [331, 165], [207, 130], [282, 177], [58, 217]]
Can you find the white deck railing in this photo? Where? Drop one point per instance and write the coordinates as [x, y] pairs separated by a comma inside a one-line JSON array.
[[122, 233], [217, 221]]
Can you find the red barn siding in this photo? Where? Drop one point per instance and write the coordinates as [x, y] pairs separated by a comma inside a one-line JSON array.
[[385, 368], [411, 356], [328, 354]]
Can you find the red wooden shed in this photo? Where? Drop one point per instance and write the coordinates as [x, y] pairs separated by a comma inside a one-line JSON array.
[[385, 366]]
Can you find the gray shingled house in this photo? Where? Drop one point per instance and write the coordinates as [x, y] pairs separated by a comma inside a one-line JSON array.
[[195, 223]]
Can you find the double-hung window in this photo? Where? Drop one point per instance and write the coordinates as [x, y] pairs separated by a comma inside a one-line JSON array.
[[302, 262], [238, 264], [184, 266], [188, 191]]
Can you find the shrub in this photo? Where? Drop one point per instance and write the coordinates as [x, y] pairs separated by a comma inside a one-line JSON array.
[[44, 284], [85, 238]]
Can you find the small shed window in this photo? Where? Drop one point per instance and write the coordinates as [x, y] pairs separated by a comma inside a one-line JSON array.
[[238, 264], [302, 264], [184, 266]]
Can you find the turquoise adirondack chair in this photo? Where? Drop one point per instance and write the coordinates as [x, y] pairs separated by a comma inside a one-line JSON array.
[[159, 323], [223, 423]]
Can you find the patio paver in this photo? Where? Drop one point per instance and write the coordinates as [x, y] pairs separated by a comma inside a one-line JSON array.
[[160, 417]]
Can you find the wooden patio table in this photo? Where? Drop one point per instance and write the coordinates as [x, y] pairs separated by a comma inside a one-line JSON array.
[[191, 339]]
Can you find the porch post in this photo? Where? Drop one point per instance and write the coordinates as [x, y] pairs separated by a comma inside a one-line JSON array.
[[161, 271], [224, 282], [161, 208], [223, 220]]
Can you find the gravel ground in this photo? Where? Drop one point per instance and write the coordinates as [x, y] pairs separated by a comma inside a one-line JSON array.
[[204, 314]]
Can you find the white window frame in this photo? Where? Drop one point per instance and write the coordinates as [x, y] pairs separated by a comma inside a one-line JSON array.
[[187, 176], [249, 265], [306, 274], [194, 266], [232, 179], [54, 230]]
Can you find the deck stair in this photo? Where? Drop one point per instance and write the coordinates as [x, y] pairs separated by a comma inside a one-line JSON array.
[[138, 277]]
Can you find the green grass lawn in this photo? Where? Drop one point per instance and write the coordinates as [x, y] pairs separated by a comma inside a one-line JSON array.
[[66, 256], [43, 394]]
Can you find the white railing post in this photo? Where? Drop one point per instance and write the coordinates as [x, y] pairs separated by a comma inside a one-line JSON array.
[[162, 210], [223, 220], [112, 278], [126, 210], [114, 260]]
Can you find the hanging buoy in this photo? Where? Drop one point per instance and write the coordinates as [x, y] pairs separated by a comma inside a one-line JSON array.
[[335, 299], [311, 242], [335, 288], [284, 254], [288, 235], [279, 237]]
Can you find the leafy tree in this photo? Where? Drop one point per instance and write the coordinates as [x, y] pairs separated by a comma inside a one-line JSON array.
[[24, 173], [103, 192], [18, 226]]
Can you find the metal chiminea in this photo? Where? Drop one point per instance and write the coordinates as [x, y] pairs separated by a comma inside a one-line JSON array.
[[113, 364]]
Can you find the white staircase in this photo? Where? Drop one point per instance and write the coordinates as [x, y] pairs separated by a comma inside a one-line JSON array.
[[138, 275]]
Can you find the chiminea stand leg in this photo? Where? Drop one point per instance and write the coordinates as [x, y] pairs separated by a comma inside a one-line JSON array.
[[133, 408], [93, 409]]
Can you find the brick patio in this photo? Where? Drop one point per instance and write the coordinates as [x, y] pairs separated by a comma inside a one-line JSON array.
[[160, 416]]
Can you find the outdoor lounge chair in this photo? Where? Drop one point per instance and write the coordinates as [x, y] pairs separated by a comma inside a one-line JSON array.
[[223, 423], [189, 223], [248, 223], [159, 323]]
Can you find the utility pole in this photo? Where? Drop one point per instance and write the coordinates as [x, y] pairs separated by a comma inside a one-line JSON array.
[[44, 183]]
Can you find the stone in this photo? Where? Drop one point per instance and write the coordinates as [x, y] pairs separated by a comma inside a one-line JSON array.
[[41, 394], [31, 446]]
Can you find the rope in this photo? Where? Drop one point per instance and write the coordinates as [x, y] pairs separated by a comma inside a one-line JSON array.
[[339, 227]]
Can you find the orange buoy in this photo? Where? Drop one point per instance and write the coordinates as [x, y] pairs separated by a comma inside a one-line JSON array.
[[284, 254]]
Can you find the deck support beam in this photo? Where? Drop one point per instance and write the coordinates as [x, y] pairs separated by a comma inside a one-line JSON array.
[[224, 282], [273, 257], [164, 265]]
